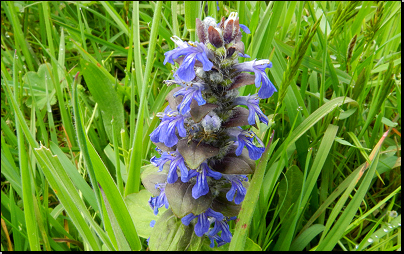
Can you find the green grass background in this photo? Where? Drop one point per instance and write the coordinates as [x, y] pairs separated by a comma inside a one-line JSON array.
[[81, 83]]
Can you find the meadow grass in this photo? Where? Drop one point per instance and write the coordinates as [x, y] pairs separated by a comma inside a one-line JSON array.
[[81, 83]]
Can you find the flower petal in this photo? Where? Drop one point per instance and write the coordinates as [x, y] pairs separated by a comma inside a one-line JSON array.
[[202, 226], [187, 219]]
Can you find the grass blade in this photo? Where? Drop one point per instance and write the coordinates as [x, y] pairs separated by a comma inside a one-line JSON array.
[[305, 238], [114, 15], [69, 197], [104, 94], [26, 178], [240, 232], [287, 233], [137, 150]]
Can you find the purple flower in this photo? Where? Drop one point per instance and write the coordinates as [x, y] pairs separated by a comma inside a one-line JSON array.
[[236, 185], [165, 132], [243, 55], [216, 238], [244, 28], [157, 202], [201, 186], [152, 223], [192, 51], [172, 54], [176, 161], [251, 101], [190, 91], [221, 225], [203, 224], [258, 67], [246, 138]]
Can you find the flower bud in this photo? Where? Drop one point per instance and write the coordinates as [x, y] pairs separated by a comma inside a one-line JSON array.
[[215, 36], [211, 123], [199, 72], [216, 77]]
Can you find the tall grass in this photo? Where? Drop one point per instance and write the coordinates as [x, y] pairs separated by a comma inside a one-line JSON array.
[[81, 83]]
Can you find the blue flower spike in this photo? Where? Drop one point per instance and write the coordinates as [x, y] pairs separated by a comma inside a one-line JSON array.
[[200, 136]]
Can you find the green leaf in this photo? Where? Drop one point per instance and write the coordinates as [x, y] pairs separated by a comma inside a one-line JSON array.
[[141, 212], [10, 171], [343, 142], [312, 120], [135, 161], [305, 237], [74, 174], [114, 198], [195, 153], [119, 236], [191, 13], [102, 90], [264, 49], [388, 122], [348, 113], [70, 199], [169, 234], [383, 231], [102, 177], [289, 190], [179, 196], [151, 176], [111, 156], [385, 66], [250, 245], [250, 201], [37, 80], [107, 44], [312, 63], [336, 232], [115, 16]]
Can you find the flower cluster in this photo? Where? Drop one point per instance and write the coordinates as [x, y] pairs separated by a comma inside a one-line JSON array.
[[205, 154]]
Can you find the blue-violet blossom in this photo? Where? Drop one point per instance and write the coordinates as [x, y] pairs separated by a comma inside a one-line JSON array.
[[192, 51], [236, 186], [176, 161], [159, 201], [165, 132], [190, 91], [246, 139], [203, 224], [201, 187], [258, 67], [252, 101]]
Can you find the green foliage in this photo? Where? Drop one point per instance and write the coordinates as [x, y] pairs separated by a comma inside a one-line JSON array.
[[137, 204], [103, 93], [73, 151], [41, 88]]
